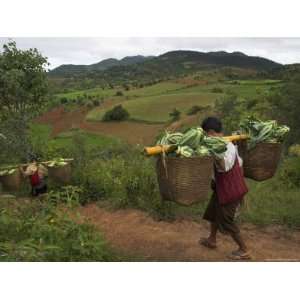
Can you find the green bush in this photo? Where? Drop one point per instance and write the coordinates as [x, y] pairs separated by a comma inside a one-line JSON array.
[[69, 195], [194, 109], [119, 93], [175, 114], [126, 87], [290, 172], [217, 90], [96, 102], [118, 113], [294, 150], [79, 101], [63, 100], [123, 178], [274, 201], [40, 232], [89, 104]]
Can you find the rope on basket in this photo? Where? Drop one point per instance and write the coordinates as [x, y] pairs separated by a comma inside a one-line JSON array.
[[164, 161]]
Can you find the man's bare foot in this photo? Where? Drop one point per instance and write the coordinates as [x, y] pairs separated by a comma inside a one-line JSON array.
[[240, 255], [206, 242]]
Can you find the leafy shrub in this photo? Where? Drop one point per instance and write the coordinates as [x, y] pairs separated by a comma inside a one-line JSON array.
[[118, 113], [217, 90], [96, 102], [39, 232], [194, 109], [79, 101], [66, 194], [175, 114], [89, 104], [294, 150], [123, 178], [119, 93], [63, 100], [290, 172], [126, 87]]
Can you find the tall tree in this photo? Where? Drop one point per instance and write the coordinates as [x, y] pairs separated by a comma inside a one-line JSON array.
[[23, 80], [285, 107], [23, 90]]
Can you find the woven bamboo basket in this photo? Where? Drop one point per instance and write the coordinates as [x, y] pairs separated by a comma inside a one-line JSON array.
[[261, 162], [184, 180], [11, 182], [61, 174]]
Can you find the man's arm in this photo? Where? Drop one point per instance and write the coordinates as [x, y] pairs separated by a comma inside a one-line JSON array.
[[220, 164], [27, 172]]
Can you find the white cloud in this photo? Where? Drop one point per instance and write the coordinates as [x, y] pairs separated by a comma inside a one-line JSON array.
[[92, 50]]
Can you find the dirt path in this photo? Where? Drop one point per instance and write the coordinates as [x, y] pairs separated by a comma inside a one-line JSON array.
[[137, 234]]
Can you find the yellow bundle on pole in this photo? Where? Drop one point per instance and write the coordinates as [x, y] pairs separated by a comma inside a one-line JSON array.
[[150, 151], [157, 149], [235, 138]]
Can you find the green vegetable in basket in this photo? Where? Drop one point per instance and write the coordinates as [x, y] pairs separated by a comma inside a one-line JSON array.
[[185, 151], [202, 151], [11, 171], [194, 142], [3, 172], [170, 138], [58, 162], [215, 145], [263, 131], [192, 138], [8, 171]]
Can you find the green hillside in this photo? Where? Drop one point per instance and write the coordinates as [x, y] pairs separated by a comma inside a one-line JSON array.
[[157, 108], [175, 64], [154, 103]]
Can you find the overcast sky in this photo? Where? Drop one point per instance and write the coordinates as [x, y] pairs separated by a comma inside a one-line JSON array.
[[92, 50]]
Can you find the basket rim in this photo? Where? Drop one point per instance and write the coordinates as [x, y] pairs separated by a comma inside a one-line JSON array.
[[189, 158]]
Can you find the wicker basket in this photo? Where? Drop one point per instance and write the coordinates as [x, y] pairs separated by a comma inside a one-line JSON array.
[[11, 182], [261, 162], [61, 174], [184, 180]]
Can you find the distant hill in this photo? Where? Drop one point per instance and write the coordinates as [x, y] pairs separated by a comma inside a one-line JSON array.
[[66, 70], [284, 72], [178, 63], [139, 69], [193, 59]]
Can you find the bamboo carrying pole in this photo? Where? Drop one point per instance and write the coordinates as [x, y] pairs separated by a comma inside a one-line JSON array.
[[25, 165], [166, 148]]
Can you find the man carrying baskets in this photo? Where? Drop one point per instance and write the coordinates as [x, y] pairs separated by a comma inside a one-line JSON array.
[[37, 174], [229, 187]]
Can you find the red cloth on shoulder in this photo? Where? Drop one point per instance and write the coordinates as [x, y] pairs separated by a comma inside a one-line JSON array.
[[230, 185], [35, 179]]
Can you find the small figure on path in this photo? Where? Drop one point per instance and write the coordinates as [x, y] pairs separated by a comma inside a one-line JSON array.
[[228, 187], [37, 175]]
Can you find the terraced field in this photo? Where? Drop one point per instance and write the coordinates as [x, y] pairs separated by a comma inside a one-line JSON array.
[[149, 106], [155, 89], [156, 109], [154, 103]]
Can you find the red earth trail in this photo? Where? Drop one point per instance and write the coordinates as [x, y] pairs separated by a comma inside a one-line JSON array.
[[136, 233]]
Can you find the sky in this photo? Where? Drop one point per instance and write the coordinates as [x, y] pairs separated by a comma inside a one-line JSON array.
[[92, 50]]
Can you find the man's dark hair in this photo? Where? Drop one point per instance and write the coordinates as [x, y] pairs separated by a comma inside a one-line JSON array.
[[212, 123], [33, 157]]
